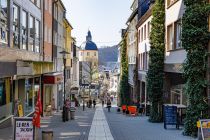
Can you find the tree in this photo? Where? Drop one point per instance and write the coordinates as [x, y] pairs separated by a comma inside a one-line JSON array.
[[90, 73], [195, 37], [124, 87], [156, 64]]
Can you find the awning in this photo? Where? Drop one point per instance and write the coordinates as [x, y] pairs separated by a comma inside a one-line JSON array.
[[53, 78]]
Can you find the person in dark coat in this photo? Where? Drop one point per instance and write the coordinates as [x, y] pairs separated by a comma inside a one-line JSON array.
[[109, 104], [94, 103]]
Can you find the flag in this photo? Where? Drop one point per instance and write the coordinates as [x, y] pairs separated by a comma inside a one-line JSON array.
[[38, 112]]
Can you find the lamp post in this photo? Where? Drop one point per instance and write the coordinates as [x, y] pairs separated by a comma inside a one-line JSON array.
[[64, 53]]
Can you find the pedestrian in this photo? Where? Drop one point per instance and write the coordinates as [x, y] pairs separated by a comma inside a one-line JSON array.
[[90, 103], [94, 103], [109, 105], [102, 103]]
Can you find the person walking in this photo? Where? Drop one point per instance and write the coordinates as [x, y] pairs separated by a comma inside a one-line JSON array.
[[102, 103], [94, 103], [109, 105]]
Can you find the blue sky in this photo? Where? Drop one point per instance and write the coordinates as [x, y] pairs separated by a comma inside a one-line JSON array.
[[104, 18]]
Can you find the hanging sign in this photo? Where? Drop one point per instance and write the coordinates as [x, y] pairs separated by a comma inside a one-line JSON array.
[[23, 129]]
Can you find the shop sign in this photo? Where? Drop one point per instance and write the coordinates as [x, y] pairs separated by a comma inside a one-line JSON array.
[[23, 129], [204, 125]]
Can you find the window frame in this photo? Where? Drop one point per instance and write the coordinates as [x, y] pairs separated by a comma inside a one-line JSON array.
[[16, 32]]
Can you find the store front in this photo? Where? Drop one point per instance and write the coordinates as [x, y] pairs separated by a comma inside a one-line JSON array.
[[5, 98], [52, 93], [26, 92]]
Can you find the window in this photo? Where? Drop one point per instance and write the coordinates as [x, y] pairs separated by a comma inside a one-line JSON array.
[[37, 39], [49, 36], [141, 34], [148, 29], [88, 53], [145, 32], [38, 3], [16, 17], [32, 32], [81, 53], [3, 21], [178, 32], [170, 37], [45, 33], [46, 2], [24, 30], [50, 6], [94, 53], [170, 2]]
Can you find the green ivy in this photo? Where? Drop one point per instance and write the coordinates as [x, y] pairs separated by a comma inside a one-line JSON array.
[[195, 37], [156, 64], [124, 87]]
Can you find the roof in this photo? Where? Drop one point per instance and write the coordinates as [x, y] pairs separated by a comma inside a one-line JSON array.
[[134, 13], [90, 45]]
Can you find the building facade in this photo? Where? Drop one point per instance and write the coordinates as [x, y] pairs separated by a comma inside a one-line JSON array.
[[144, 29], [175, 55], [132, 51], [21, 56]]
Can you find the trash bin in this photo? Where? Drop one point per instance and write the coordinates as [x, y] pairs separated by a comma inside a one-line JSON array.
[[47, 135]]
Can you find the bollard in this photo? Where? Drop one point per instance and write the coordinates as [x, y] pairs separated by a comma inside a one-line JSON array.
[[47, 135], [72, 114]]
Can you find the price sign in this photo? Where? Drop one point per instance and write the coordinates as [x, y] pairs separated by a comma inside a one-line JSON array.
[[23, 129]]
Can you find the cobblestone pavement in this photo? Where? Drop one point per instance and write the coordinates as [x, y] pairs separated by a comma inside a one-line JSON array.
[[77, 129], [138, 128]]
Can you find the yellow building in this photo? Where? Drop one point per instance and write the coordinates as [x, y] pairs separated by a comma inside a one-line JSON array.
[[67, 44]]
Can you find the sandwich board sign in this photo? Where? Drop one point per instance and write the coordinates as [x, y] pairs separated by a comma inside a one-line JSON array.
[[205, 129], [23, 128]]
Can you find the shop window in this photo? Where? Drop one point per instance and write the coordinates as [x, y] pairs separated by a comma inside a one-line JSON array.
[[24, 30], [29, 96], [16, 17], [32, 32], [177, 95], [37, 38], [170, 37], [2, 93], [3, 22]]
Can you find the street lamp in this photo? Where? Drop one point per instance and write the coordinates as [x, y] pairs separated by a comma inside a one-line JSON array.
[[64, 53]]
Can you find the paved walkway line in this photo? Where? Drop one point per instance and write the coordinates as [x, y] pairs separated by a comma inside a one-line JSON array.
[[100, 129]]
